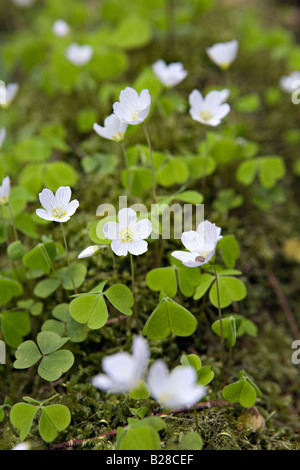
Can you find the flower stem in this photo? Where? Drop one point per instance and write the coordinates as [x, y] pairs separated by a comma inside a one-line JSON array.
[[196, 420], [127, 167], [220, 319], [134, 293], [67, 254], [152, 164], [4, 226], [12, 221]]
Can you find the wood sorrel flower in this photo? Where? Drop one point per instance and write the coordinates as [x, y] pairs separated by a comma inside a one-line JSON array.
[[90, 251], [201, 244], [79, 55], [124, 371], [223, 53], [291, 82], [113, 128], [2, 136], [58, 208], [7, 93], [128, 235], [132, 107], [211, 109], [169, 75], [5, 191], [174, 389], [60, 28]]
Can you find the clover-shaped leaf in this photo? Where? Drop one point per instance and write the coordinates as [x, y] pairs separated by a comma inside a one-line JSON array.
[[204, 374], [91, 308], [53, 362], [169, 317], [243, 391], [53, 419]]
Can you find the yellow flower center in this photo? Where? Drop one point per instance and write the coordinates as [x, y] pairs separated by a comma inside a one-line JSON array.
[[118, 137], [135, 116], [3, 200], [206, 115], [127, 235], [59, 212]]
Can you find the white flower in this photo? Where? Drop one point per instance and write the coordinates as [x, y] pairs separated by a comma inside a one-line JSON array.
[[290, 83], [7, 93], [176, 389], [132, 107], [2, 136], [113, 129], [169, 75], [79, 55], [211, 109], [21, 446], [4, 191], [58, 208], [223, 53], [23, 3], [124, 371], [128, 235], [60, 28], [90, 251], [201, 244]]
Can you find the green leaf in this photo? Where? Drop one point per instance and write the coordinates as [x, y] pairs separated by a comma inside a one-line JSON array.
[[229, 327], [169, 317], [202, 288], [230, 250], [163, 280], [240, 392], [271, 169], [188, 279], [14, 326], [16, 251], [78, 274], [248, 103], [54, 326], [141, 392], [175, 171], [191, 441], [41, 257], [190, 197], [55, 418], [201, 166], [230, 288], [27, 355], [45, 288], [139, 438], [8, 290], [90, 310], [121, 298], [132, 32], [21, 417], [52, 367], [191, 360], [246, 172], [205, 375], [49, 341], [59, 174]]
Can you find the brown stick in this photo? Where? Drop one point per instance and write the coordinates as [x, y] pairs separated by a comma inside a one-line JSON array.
[[285, 306], [79, 442], [109, 435]]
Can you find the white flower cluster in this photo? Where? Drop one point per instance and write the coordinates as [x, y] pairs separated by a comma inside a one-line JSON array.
[[124, 372]]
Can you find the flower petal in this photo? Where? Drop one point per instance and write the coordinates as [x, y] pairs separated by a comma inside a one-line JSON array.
[[119, 248], [143, 228], [47, 200], [137, 247], [63, 195]]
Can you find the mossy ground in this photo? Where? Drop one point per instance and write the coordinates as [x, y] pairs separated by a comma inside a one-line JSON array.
[[261, 234]]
